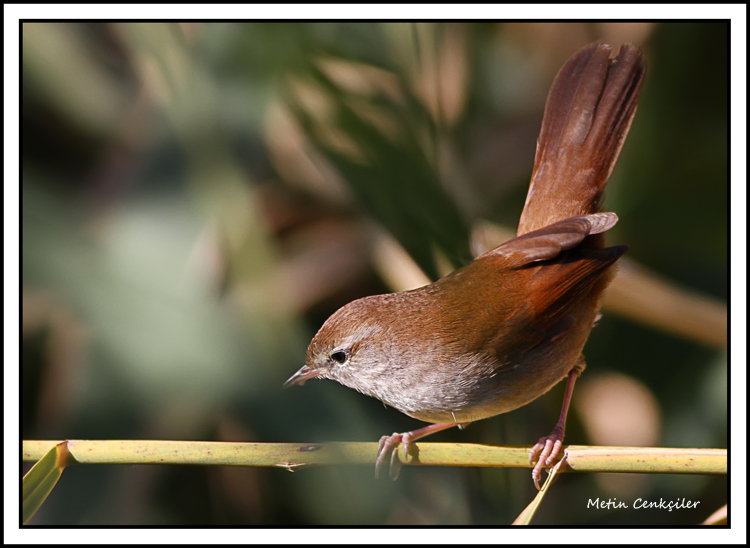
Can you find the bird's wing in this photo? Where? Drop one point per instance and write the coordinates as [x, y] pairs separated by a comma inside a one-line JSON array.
[[548, 242]]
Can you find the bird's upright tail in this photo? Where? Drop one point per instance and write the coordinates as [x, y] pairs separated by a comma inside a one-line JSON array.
[[588, 114]]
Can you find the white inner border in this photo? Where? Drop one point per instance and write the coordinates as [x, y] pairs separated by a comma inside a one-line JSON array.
[[736, 12]]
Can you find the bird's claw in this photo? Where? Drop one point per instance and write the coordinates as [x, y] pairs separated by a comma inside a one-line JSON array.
[[390, 443], [544, 453]]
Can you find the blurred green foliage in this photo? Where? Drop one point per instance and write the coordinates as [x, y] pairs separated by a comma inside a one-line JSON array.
[[184, 191]]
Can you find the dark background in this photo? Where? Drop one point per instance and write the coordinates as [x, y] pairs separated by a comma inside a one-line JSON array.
[[198, 198]]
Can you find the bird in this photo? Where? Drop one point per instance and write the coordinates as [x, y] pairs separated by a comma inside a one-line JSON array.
[[505, 328]]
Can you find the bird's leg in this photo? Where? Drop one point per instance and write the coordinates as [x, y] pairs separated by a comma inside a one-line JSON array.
[[389, 442], [547, 448]]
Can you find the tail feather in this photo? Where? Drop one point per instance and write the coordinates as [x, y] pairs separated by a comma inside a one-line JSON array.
[[588, 114]]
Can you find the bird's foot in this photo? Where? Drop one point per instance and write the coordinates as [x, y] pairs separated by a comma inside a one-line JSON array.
[[390, 443], [544, 453]]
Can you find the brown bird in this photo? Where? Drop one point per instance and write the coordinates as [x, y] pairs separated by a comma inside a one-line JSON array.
[[504, 329]]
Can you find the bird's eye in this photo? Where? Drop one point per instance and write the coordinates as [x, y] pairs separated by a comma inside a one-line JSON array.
[[339, 356]]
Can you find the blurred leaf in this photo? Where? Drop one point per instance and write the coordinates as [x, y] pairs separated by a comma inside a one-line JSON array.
[[528, 514], [42, 478], [64, 68], [393, 177], [717, 518]]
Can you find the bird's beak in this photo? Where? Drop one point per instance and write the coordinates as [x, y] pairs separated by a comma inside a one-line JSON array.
[[304, 374]]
